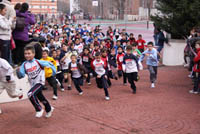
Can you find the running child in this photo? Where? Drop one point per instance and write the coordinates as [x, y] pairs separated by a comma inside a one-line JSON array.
[[7, 81], [151, 61], [86, 59], [141, 43], [36, 75], [100, 74], [65, 60], [59, 74], [131, 67], [120, 57], [104, 58], [49, 73], [77, 72]]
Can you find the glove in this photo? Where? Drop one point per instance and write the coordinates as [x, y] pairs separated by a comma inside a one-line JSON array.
[[8, 78]]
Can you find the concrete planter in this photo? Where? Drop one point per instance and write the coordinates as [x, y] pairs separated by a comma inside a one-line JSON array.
[[174, 55]]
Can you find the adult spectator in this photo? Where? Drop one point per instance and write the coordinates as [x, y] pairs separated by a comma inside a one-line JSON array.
[[18, 6], [5, 33], [20, 34]]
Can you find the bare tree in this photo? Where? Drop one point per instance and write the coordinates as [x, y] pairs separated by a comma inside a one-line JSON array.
[[120, 6]]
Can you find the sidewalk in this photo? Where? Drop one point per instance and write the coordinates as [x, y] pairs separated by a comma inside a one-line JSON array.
[[167, 109]]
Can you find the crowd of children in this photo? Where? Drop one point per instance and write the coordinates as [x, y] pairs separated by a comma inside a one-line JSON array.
[[192, 59], [76, 54]]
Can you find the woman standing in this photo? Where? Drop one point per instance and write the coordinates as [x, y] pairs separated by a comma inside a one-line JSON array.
[[20, 34], [5, 33]]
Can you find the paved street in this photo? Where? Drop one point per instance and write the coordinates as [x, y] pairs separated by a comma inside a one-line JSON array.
[[167, 109]]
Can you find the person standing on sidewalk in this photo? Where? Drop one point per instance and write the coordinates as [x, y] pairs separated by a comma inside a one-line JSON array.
[[20, 34], [5, 33], [151, 61], [7, 81]]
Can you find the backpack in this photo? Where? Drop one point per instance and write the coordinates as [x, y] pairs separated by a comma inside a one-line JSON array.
[[20, 24]]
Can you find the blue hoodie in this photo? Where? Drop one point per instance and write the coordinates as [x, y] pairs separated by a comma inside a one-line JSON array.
[[152, 59]]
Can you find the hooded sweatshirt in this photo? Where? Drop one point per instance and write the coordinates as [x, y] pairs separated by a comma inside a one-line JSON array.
[[29, 20]]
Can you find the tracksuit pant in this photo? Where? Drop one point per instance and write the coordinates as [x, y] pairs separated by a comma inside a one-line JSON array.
[[153, 73], [35, 94], [131, 78], [103, 83], [53, 83], [120, 74], [60, 78], [5, 50], [77, 83], [196, 82]]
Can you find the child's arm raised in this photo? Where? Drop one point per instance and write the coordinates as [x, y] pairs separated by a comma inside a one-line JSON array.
[[21, 71], [48, 64]]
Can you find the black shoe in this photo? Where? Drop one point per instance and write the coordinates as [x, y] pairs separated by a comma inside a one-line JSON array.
[[116, 78], [45, 88], [69, 88], [66, 80]]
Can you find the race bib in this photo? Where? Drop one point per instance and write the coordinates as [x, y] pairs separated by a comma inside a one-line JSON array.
[[129, 62], [139, 44], [121, 58], [85, 58]]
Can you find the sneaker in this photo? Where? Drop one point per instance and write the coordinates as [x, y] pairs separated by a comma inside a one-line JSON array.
[[58, 82], [152, 85], [62, 89], [39, 114], [69, 88], [107, 98], [20, 97], [55, 97], [89, 83], [49, 114], [81, 93], [0, 111], [134, 92], [125, 84], [196, 92], [191, 91], [190, 76]]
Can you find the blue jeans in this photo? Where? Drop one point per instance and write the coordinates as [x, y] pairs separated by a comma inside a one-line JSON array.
[[5, 49], [160, 48]]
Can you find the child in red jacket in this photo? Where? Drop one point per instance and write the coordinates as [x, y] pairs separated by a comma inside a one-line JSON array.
[[120, 58], [196, 69], [141, 43]]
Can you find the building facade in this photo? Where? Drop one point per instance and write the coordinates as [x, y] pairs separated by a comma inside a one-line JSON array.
[[40, 6]]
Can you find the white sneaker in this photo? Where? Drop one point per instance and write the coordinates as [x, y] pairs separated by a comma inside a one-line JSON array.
[[190, 76], [49, 114], [0, 111], [152, 85], [196, 92], [191, 91], [89, 83], [54, 97], [62, 89], [107, 98], [81, 93], [125, 84], [39, 114], [58, 82]]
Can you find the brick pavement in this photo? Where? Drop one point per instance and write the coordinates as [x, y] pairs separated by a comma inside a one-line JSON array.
[[167, 109]]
